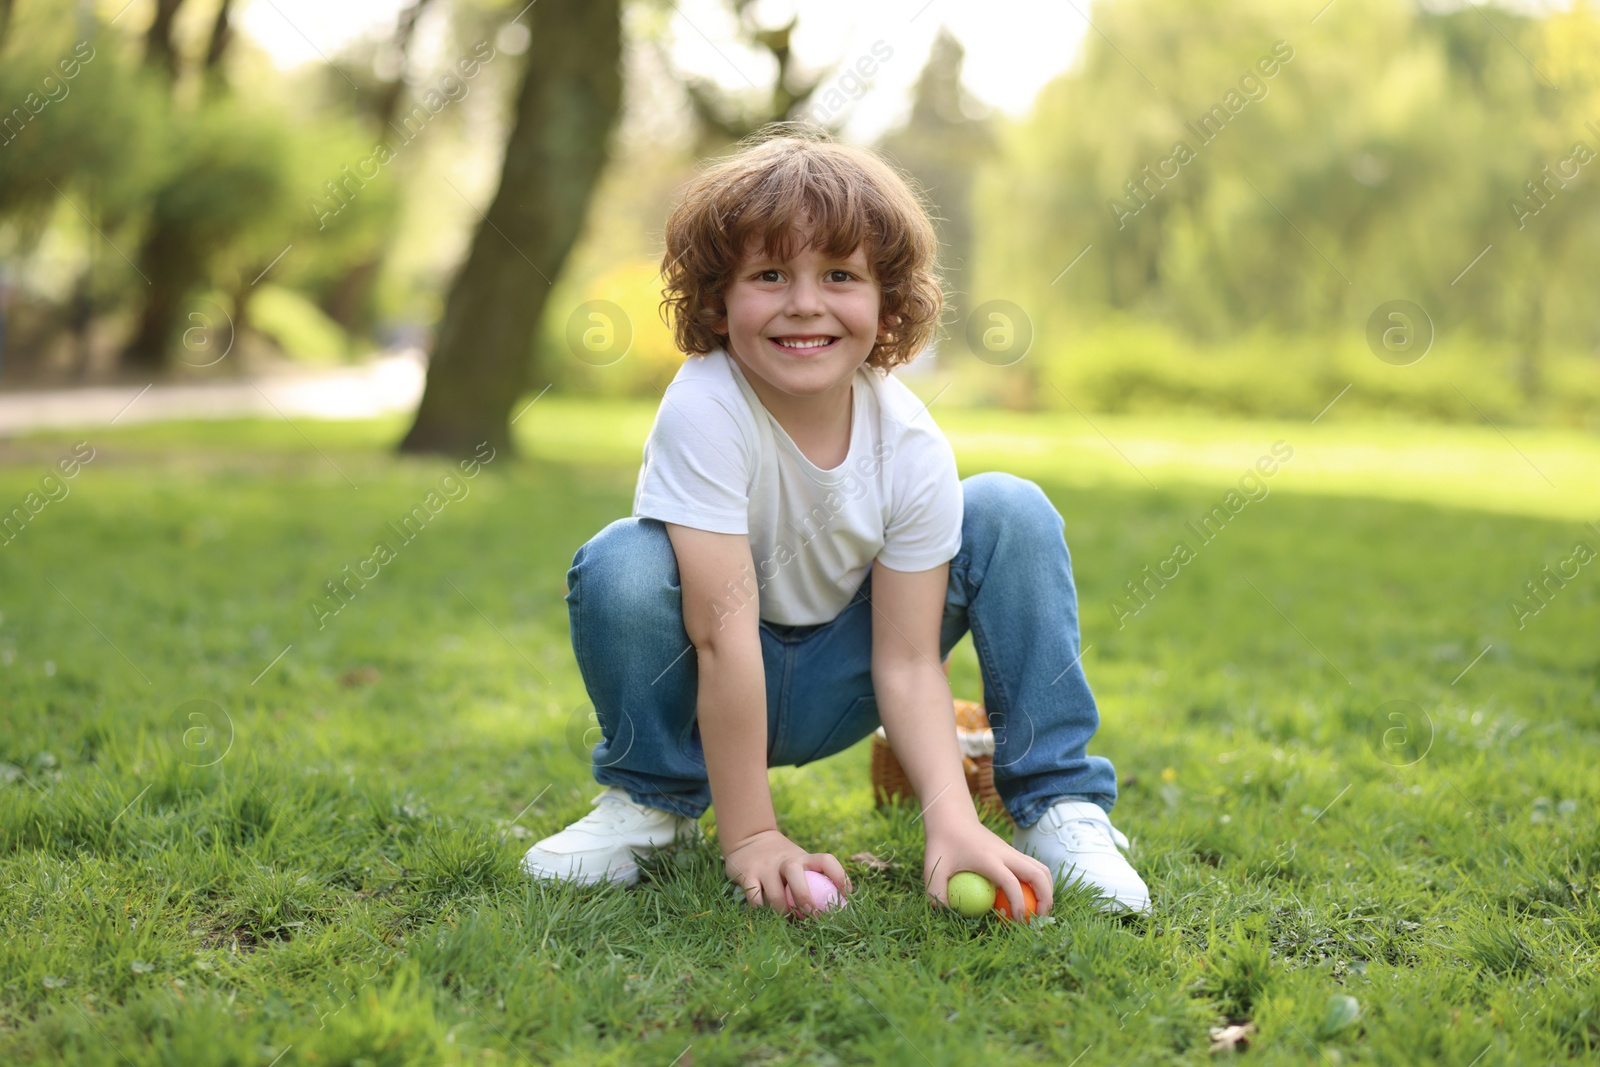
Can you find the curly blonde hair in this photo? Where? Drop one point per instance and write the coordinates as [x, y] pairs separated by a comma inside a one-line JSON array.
[[782, 175]]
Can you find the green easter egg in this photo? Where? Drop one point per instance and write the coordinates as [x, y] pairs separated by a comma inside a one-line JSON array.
[[970, 893]]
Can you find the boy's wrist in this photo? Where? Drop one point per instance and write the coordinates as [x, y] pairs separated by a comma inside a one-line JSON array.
[[937, 820], [732, 844]]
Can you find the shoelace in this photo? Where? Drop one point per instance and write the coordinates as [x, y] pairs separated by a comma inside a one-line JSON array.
[[1092, 835], [610, 814]]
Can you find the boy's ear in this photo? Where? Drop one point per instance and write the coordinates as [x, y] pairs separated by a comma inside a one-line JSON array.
[[720, 323]]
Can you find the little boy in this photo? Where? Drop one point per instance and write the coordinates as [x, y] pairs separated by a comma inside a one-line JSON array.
[[800, 527]]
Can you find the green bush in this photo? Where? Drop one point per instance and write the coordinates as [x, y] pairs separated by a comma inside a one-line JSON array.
[[298, 326]]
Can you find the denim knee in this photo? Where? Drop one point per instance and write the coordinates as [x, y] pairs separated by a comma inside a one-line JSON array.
[[624, 569], [1017, 502]]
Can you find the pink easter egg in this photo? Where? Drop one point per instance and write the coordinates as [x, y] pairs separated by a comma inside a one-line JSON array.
[[823, 892]]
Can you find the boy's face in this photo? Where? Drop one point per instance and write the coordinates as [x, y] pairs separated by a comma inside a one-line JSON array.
[[773, 306]]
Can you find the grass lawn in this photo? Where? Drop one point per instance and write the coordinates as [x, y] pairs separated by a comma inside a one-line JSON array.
[[1361, 784]]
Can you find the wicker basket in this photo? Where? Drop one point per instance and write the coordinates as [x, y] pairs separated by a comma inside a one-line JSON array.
[[976, 741]]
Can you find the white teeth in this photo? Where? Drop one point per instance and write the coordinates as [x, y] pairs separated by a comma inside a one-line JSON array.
[[804, 344]]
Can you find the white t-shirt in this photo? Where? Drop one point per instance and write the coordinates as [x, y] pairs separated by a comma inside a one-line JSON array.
[[717, 460]]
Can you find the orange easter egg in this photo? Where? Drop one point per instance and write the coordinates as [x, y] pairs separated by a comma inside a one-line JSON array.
[[1029, 902]]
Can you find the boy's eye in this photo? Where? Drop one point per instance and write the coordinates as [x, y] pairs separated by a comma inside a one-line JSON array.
[[762, 275]]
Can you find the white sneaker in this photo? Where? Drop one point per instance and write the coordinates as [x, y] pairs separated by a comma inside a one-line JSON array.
[[607, 843], [1076, 840]]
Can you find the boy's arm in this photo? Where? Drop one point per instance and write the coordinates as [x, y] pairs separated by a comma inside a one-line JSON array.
[[919, 715], [724, 629], [914, 700]]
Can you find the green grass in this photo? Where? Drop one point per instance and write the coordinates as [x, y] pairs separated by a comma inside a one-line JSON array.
[[204, 859]]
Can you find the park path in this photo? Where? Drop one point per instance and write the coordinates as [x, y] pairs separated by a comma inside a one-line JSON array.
[[387, 383]]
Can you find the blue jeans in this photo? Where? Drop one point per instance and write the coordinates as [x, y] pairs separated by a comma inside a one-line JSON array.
[[1010, 584]]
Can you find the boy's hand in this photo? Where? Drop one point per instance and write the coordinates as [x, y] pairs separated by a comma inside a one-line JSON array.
[[763, 863], [968, 845]]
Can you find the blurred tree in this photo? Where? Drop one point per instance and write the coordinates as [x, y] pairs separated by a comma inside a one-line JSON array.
[[76, 154], [104, 177], [724, 117], [160, 50], [169, 255], [568, 102], [217, 46], [222, 176], [405, 32], [1218, 183], [46, 144], [162, 249], [214, 73], [1556, 212], [221, 208], [943, 144], [282, 244], [347, 303]]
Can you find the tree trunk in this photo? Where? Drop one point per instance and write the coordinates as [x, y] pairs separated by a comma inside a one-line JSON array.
[[168, 256], [405, 32], [221, 38], [159, 49], [347, 303], [165, 256], [568, 102], [239, 319], [168, 259]]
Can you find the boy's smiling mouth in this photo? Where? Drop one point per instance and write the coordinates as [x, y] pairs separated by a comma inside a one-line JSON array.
[[804, 343]]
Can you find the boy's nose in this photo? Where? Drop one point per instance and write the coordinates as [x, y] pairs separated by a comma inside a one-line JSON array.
[[804, 299]]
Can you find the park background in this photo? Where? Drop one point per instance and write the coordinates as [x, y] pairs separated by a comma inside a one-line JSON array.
[[271, 271]]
